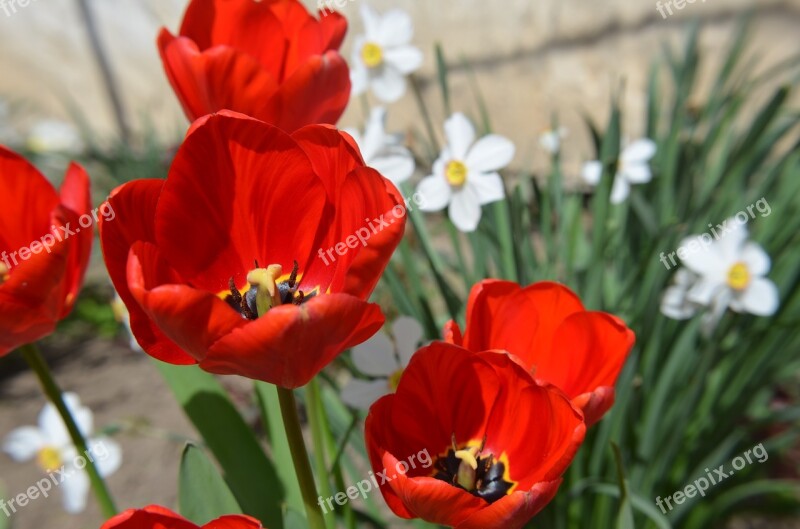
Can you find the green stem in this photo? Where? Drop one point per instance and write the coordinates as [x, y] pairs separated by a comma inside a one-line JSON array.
[[302, 466], [37, 363], [315, 419]]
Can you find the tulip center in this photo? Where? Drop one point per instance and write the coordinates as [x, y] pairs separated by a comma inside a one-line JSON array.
[[738, 276], [372, 55], [49, 459], [266, 288], [456, 173], [475, 471]]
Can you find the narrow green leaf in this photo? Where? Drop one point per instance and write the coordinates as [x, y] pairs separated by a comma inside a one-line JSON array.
[[247, 470], [202, 493]]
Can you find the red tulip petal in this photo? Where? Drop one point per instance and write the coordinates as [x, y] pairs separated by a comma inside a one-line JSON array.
[[588, 351], [515, 510], [152, 517], [34, 294], [317, 92], [218, 78], [193, 319], [452, 333], [26, 201], [485, 299], [134, 205], [595, 404], [534, 454], [245, 25], [291, 344], [333, 28], [234, 521], [75, 195], [363, 196], [239, 191]]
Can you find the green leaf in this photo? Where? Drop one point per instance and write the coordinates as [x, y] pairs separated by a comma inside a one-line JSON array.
[[625, 516], [203, 494], [249, 473]]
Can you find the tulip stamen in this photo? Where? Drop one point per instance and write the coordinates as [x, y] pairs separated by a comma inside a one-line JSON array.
[[266, 290], [4, 273], [469, 469]]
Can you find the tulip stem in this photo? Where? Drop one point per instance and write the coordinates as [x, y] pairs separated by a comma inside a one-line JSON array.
[[39, 366], [302, 464]]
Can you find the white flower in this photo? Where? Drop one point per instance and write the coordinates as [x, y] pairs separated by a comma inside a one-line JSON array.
[[379, 357], [51, 135], [550, 140], [465, 174], [383, 152], [675, 303], [731, 273], [383, 56], [633, 168], [122, 316], [52, 447]]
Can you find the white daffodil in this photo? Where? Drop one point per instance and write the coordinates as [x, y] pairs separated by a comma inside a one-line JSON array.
[[383, 56], [51, 446], [379, 357], [53, 136], [550, 140], [465, 174], [123, 317], [731, 273], [675, 303], [384, 152], [633, 168]]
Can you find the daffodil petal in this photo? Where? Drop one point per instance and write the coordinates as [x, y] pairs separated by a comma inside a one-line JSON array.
[[361, 394], [435, 193], [24, 443], [490, 153], [460, 135], [465, 210], [375, 356], [760, 298]]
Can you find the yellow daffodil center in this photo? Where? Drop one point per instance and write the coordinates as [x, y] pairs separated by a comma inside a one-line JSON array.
[[456, 173], [394, 380], [49, 459], [372, 55], [738, 276]]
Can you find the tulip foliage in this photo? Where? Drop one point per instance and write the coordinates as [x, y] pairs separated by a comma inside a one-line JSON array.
[[487, 349]]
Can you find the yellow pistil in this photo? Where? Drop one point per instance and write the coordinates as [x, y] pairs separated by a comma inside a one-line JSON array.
[[738, 276], [4, 273], [372, 55], [265, 281], [468, 467], [49, 459], [456, 173], [394, 380]]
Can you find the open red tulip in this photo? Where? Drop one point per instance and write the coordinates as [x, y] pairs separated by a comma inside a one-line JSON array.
[[471, 440], [229, 263], [270, 59], [157, 517], [43, 248], [546, 326]]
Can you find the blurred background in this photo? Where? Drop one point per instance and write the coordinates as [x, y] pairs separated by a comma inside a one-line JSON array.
[[533, 60]]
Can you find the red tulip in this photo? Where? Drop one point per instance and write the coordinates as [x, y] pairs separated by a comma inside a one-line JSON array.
[[270, 59], [43, 249], [546, 326], [470, 440], [157, 517], [229, 263]]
